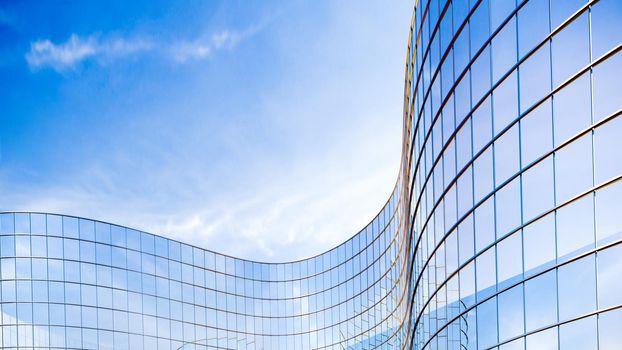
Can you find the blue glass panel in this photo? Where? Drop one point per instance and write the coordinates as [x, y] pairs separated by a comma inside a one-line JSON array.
[[606, 26], [535, 77], [487, 324], [511, 313], [540, 301], [571, 49], [533, 25], [607, 155], [577, 288], [608, 209], [609, 325], [575, 227], [607, 82], [572, 109], [609, 281]]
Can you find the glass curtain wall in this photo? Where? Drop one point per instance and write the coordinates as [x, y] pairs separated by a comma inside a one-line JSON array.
[[75, 283], [513, 147]]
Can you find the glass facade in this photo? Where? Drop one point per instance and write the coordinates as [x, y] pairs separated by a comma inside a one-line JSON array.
[[504, 230], [513, 155], [74, 283]]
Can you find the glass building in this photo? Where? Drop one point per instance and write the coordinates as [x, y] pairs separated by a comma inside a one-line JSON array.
[[504, 230], [74, 283], [513, 155]]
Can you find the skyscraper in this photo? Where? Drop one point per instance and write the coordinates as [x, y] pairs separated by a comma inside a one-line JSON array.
[[502, 232]]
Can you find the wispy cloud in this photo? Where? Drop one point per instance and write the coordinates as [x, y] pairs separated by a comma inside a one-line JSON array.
[[199, 49], [278, 170], [64, 56], [67, 55]]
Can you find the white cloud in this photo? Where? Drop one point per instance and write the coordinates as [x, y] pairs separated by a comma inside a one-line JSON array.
[[45, 53], [203, 48], [65, 56], [277, 222], [314, 163], [225, 39], [185, 51]]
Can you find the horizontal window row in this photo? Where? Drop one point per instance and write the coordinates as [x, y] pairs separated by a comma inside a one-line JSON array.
[[19, 223], [599, 331], [166, 270], [186, 337], [68, 290]]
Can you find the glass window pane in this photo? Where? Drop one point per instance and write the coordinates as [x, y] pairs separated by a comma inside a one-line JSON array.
[[544, 340], [510, 260], [533, 25], [482, 126], [538, 195], [467, 284], [606, 26], [518, 344], [608, 209], [37, 224], [507, 158], [504, 48], [578, 335], [572, 109], [118, 236], [577, 288], [484, 226], [562, 10], [70, 227], [487, 324], [541, 301], [463, 145], [486, 274], [575, 228], [102, 232], [536, 133], [54, 225], [539, 242], [607, 84], [462, 95], [505, 103], [571, 49], [466, 239], [480, 69], [22, 223], [479, 27], [87, 229], [465, 192], [607, 146], [535, 77], [609, 281], [511, 313], [573, 169], [483, 175], [609, 325], [55, 247], [7, 246], [22, 246], [499, 10], [507, 201]]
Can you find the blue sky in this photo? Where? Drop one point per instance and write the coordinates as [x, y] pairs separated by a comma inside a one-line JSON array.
[[266, 130]]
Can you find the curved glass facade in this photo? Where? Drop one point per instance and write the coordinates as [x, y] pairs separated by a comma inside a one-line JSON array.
[[503, 232], [75, 283], [514, 157]]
